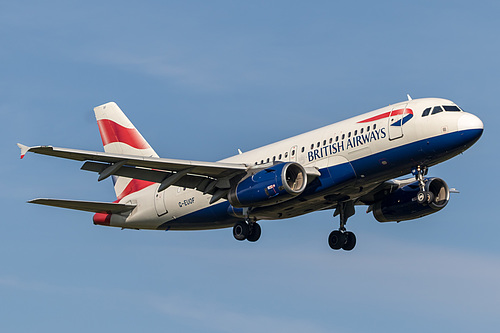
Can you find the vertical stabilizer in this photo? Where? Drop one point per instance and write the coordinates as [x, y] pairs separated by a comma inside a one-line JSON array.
[[120, 136]]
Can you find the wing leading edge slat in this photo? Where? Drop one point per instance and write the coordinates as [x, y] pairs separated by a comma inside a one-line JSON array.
[[207, 169]]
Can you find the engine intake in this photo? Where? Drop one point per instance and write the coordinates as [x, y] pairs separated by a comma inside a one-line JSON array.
[[402, 205], [270, 186]]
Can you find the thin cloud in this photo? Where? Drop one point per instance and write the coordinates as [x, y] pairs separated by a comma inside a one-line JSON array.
[[216, 317], [198, 313], [452, 280], [193, 75]]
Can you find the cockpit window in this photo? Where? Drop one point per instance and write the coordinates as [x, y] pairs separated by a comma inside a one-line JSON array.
[[437, 109], [451, 108]]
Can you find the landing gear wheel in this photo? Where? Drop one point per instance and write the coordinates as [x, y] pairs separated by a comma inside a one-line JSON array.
[[336, 239], [254, 233], [425, 197], [422, 197], [350, 241], [430, 197], [241, 230]]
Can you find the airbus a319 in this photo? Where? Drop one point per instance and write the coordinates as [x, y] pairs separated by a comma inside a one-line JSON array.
[[358, 161]]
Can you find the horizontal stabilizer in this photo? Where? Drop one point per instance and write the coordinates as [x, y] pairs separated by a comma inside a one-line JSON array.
[[88, 206]]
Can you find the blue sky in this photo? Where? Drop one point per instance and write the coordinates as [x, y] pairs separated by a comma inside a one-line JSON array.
[[201, 79]]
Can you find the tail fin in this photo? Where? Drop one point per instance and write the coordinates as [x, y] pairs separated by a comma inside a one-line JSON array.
[[120, 136]]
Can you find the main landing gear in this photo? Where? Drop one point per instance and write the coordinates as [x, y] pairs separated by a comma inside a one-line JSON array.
[[342, 239], [249, 230], [423, 196]]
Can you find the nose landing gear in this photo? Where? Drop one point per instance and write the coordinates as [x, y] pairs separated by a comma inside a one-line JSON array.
[[423, 196]]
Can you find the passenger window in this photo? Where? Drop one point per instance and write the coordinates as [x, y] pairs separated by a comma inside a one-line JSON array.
[[261, 161], [355, 132], [374, 126], [324, 142], [361, 131], [337, 138], [426, 112], [451, 108], [437, 109], [279, 157], [343, 136], [331, 140], [274, 158], [312, 146], [303, 148], [317, 145], [349, 135], [368, 129], [286, 154]]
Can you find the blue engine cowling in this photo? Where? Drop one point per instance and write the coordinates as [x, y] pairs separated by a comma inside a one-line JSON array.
[[402, 205], [270, 186]]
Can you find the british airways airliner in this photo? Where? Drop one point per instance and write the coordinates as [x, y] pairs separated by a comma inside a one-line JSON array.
[[358, 161]]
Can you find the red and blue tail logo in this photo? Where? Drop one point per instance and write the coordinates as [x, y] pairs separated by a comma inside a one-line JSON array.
[[120, 136]]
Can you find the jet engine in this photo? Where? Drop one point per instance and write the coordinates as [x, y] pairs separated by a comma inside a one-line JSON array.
[[269, 186], [402, 204]]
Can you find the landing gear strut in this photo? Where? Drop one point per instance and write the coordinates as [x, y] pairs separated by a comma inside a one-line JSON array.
[[423, 196], [342, 239]]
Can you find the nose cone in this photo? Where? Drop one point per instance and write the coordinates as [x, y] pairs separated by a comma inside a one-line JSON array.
[[470, 122], [470, 127]]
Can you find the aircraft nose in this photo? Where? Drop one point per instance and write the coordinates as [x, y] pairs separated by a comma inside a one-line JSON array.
[[470, 122]]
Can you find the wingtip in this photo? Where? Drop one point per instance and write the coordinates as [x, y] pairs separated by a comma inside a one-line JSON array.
[[24, 149]]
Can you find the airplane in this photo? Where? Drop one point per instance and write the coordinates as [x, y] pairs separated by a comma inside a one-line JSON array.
[[358, 161]]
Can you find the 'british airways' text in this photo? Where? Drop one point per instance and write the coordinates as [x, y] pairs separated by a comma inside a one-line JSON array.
[[350, 143]]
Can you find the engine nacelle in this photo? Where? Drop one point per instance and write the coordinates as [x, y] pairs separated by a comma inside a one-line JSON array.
[[402, 205], [270, 186]]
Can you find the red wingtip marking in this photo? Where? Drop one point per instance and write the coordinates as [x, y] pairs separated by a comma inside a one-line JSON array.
[[22, 156]]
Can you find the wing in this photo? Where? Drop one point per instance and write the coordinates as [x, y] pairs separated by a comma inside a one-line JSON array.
[[88, 206], [376, 193], [204, 176]]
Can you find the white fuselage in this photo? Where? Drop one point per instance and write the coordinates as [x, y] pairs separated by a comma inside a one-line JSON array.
[[373, 145]]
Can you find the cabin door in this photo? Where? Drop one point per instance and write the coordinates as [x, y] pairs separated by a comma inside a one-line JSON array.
[[396, 122], [160, 207]]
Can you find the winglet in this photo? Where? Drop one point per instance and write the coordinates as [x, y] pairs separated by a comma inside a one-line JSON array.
[[24, 149]]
